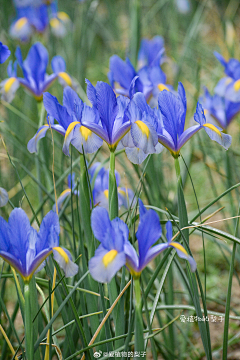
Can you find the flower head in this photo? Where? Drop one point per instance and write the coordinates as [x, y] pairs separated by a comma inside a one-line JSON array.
[[34, 67], [116, 250], [149, 231], [171, 117], [26, 249], [72, 118], [150, 77]]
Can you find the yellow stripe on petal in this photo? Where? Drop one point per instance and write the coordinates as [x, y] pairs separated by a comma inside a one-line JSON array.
[[143, 127], [85, 132], [70, 128], [65, 77], [106, 193], [122, 192], [213, 128], [179, 247], [65, 192], [62, 253], [20, 23], [109, 257], [63, 16], [162, 87], [54, 22], [237, 85], [9, 83]]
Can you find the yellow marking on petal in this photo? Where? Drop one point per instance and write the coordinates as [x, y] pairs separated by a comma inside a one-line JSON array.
[[179, 247], [38, 98], [143, 127], [70, 128], [40, 132], [64, 192], [122, 192], [20, 23], [109, 257], [205, 111], [237, 85], [106, 193], [62, 253], [66, 78], [9, 83], [213, 128], [85, 132], [162, 87], [54, 22], [63, 16]]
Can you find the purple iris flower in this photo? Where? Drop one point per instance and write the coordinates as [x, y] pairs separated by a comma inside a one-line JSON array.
[[115, 249], [25, 249], [34, 67], [114, 123], [149, 231], [99, 177], [4, 53], [229, 87], [72, 119], [142, 138], [151, 79], [171, 117], [220, 108]]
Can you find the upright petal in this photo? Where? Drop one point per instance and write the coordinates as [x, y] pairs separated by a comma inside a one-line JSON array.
[[100, 222], [4, 53]]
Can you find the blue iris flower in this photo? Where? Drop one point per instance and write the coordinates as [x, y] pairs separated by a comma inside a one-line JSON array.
[[149, 231], [99, 177], [115, 249], [72, 119], [220, 108], [142, 139], [151, 79], [229, 87], [171, 117], [4, 53], [34, 67], [30, 18], [25, 249], [35, 16]]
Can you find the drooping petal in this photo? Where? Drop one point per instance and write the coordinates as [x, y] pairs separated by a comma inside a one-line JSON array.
[[64, 259], [151, 254], [61, 199], [184, 255], [105, 264], [135, 155], [58, 64], [8, 88]]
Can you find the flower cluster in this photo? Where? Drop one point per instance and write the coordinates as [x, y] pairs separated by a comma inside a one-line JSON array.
[[116, 250], [224, 104], [37, 16], [99, 178], [149, 79]]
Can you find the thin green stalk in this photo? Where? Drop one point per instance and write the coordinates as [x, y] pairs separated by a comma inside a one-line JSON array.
[[112, 189], [139, 342], [228, 300], [28, 324], [182, 210]]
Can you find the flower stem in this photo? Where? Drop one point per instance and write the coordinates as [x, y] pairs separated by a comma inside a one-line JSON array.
[[182, 209], [139, 342], [112, 189], [28, 324]]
